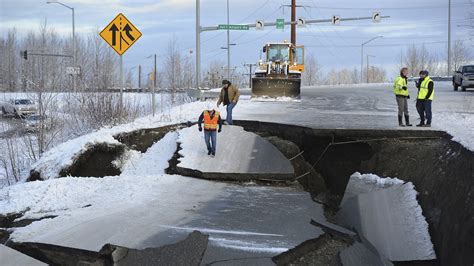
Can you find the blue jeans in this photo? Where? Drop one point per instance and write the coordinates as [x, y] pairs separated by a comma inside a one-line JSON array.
[[424, 110], [210, 137], [230, 106]]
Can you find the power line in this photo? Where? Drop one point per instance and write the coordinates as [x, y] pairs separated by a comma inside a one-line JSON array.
[[414, 23], [388, 8], [388, 45]]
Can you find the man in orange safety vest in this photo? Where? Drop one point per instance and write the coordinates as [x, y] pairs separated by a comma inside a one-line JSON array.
[[212, 124]]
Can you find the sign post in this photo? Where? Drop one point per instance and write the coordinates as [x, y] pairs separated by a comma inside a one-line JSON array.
[[120, 34]]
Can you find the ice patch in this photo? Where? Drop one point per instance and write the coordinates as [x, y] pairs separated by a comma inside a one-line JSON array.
[[217, 231], [250, 246]]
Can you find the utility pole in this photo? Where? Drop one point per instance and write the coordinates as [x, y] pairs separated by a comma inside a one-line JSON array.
[[368, 67], [293, 22], [228, 42], [213, 78], [139, 77], [153, 101], [250, 73], [449, 38], [198, 43]]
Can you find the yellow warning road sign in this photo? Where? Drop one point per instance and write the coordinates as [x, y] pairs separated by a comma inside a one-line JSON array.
[[120, 34]]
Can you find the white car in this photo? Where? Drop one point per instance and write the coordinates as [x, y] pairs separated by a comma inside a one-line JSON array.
[[19, 107]]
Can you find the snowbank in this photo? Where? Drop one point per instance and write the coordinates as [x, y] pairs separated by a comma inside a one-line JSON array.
[[458, 125], [61, 156], [364, 183]]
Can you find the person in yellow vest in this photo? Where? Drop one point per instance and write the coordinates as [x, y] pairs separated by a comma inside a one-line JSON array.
[[212, 124], [425, 97], [400, 88]]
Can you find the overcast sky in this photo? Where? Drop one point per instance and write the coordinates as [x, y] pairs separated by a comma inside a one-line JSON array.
[[421, 21]]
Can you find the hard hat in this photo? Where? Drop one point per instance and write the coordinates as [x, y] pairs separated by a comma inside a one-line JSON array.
[[209, 106]]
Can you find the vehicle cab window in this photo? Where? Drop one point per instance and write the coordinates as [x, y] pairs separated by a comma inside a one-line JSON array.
[[468, 69]]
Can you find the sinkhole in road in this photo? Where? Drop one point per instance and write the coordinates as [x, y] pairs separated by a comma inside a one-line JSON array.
[[442, 171]]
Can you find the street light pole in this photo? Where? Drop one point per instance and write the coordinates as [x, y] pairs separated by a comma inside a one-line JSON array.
[[362, 57], [228, 42], [449, 38], [368, 55], [73, 38], [198, 43]]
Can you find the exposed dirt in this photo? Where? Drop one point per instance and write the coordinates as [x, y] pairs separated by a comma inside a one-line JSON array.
[[142, 139], [304, 172], [96, 161], [323, 250]]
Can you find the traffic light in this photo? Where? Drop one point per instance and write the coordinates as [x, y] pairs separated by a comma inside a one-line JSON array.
[[25, 54]]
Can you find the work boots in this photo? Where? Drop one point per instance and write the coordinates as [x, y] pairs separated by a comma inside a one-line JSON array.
[[421, 124], [407, 121], [400, 121]]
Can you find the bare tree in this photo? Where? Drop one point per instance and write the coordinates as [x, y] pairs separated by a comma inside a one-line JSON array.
[[312, 73], [215, 73], [460, 55], [418, 58]]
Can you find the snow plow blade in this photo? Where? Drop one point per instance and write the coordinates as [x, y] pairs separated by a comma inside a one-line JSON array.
[[276, 87]]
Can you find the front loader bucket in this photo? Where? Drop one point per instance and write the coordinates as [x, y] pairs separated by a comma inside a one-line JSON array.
[[269, 87]]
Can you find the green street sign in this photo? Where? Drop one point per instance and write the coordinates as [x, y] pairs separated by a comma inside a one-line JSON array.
[[232, 27], [280, 23]]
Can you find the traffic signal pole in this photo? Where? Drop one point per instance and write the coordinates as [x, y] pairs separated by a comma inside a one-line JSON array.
[[293, 23]]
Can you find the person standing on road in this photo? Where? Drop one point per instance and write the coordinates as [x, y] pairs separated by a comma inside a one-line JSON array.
[[212, 124], [400, 88], [229, 96], [425, 96]]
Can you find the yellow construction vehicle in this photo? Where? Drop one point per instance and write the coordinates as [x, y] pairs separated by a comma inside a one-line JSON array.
[[279, 74]]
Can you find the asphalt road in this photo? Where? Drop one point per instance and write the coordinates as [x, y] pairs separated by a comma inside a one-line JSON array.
[[356, 107]]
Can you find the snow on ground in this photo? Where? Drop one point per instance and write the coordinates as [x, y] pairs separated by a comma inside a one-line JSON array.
[[458, 125], [148, 163], [67, 194]]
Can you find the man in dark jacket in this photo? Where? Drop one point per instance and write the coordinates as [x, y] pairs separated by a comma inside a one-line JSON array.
[[212, 124], [425, 87], [229, 96]]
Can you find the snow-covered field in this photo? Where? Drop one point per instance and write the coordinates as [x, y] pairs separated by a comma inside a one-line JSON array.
[[66, 110]]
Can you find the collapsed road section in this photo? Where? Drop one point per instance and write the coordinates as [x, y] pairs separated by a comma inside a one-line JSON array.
[[252, 222]]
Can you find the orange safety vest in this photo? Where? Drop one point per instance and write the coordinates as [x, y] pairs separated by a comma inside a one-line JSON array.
[[211, 124]]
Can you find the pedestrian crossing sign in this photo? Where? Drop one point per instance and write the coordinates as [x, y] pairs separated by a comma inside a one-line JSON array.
[[120, 34]]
